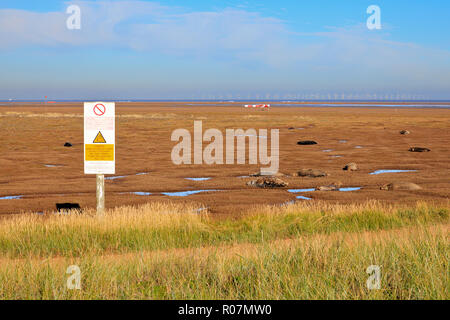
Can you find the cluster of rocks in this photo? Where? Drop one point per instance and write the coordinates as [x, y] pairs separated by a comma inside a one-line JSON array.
[[273, 182]]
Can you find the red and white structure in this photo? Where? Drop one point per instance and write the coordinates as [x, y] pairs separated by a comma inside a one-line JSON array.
[[263, 106]]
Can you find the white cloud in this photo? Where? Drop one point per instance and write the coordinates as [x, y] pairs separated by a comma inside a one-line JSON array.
[[234, 35], [143, 26]]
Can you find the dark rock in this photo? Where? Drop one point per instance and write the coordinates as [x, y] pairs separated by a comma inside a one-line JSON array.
[[306, 143], [67, 145], [268, 183], [68, 207], [405, 132], [350, 167], [313, 173], [291, 128], [419, 149], [401, 186]]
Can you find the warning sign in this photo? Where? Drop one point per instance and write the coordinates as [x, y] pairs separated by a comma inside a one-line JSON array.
[[102, 152], [99, 138], [99, 109]]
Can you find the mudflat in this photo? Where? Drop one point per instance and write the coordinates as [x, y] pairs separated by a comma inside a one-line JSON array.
[[37, 171]]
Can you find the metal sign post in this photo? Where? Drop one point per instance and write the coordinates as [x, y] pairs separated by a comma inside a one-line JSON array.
[[100, 194], [99, 145]]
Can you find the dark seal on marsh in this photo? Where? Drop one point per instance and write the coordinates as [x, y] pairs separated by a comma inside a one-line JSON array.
[[68, 145], [267, 183], [401, 186], [313, 173], [419, 149], [306, 142], [405, 132]]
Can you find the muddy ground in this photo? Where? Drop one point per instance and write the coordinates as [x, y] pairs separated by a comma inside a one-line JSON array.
[[33, 135]]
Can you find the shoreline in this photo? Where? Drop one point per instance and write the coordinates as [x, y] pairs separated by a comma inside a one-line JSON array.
[[34, 163]]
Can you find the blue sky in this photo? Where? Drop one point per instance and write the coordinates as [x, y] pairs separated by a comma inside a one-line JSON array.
[[210, 49]]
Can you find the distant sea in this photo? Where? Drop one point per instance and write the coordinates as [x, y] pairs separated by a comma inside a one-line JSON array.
[[275, 103]]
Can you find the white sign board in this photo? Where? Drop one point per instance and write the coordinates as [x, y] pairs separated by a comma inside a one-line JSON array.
[[99, 138]]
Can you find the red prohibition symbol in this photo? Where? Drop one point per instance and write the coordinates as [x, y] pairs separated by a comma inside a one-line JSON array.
[[99, 109]]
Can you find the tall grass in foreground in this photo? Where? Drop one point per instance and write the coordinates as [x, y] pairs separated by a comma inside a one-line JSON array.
[[160, 226], [165, 251], [414, 265]]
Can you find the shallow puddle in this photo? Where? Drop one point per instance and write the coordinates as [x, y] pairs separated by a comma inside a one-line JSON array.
[[313, 190], [122, 177], [301, 190], [52, 165], [336, 156], [391, 171], [350, 189], [141, 193], [186, 193], [198, 179], [170, 194], [358, 147], [116, 177], [342, 141], [327, 150], [11, 197]]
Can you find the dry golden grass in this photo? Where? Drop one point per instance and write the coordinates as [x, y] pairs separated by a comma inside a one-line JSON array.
[[414, 264], [166, 251], [163, 225]]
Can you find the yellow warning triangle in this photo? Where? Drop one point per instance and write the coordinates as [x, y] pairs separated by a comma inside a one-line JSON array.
[[99, 138]]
